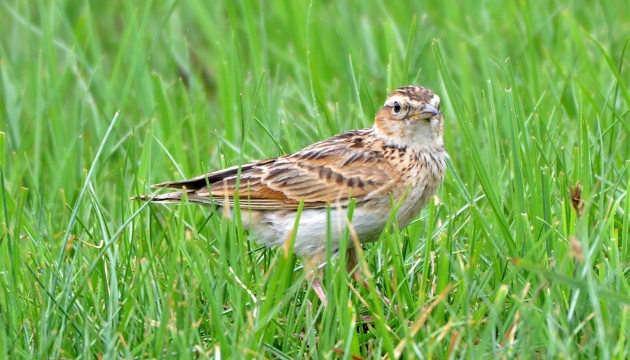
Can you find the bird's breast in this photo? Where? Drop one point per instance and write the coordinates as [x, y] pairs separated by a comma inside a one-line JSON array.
[[423, 175]]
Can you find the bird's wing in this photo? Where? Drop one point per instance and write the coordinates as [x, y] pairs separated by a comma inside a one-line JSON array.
[[331, 171]]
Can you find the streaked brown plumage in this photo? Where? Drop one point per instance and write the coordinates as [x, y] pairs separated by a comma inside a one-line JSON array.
[[318, 174], [400, 158]]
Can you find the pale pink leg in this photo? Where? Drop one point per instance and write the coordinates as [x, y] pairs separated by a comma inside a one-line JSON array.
[[319, 290]]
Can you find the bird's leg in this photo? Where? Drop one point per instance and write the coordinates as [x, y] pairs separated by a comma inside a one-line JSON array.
[[313, 270], [354, 269]]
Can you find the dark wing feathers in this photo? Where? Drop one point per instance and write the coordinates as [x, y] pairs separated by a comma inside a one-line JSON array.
[[202, 180]]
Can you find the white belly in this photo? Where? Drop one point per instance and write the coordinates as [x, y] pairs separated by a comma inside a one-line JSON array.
[[273, 228]]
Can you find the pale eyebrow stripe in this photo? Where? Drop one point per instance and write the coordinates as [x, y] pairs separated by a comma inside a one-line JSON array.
[[390, 101]]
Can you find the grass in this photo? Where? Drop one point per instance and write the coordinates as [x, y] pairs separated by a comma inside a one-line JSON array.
[[101, 99]]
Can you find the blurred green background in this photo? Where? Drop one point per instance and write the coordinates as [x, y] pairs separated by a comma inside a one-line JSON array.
[[100, 99]]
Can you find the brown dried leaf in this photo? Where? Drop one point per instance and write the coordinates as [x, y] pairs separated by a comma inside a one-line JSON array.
[[576, 198]]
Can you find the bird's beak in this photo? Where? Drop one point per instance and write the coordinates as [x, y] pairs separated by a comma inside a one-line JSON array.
[[430, 109], [427, 112]]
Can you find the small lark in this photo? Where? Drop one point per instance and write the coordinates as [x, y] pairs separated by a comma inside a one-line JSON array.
[[401, 158]]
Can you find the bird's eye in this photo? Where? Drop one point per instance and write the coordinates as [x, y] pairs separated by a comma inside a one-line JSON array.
[[397, 107]]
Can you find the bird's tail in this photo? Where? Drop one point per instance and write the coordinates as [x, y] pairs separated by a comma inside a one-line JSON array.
[[173, 198]]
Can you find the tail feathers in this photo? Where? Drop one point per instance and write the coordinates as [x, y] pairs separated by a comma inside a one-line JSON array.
[[173, 198]]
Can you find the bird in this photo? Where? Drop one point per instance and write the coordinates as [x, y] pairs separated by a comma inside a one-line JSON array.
[[398, 164]]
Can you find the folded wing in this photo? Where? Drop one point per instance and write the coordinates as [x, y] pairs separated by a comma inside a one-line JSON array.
[[331, 171]]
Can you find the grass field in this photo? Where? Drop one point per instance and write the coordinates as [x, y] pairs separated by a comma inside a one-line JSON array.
[[98, 100]]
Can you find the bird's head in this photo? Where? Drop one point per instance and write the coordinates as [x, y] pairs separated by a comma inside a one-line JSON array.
[[411, 118]]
